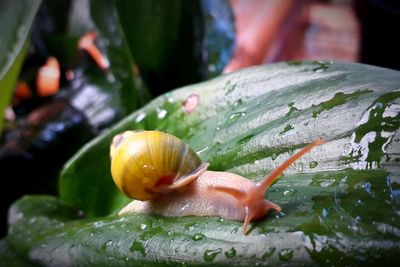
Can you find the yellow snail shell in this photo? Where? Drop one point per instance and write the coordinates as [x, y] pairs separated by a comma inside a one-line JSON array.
[[146, 164]]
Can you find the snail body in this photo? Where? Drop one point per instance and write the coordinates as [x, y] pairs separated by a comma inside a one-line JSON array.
[[193, 191]]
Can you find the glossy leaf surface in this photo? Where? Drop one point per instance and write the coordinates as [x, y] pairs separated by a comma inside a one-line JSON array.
[[16, 23], [176, 43], [340, 202]]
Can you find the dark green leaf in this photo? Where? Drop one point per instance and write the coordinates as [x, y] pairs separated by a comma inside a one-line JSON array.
[[49, 33], [105, 16], [240, 123], [16, 23], [178, 42], [340, 218], [340, 202], [104, 96], [218, 36], [9, 258]]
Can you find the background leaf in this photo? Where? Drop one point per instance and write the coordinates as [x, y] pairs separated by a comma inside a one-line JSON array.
[[177, 42], [16, 23]]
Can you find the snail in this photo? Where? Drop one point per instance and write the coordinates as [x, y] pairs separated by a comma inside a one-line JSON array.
[[165, 176]]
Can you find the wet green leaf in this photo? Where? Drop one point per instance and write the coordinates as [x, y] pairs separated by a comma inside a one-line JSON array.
[[332, 217], [340, 202], [254, 143], [8, 257]]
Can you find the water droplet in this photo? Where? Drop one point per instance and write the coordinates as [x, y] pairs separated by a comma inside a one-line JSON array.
[[189, 226], [320, 66], [324, 213], [313, 164], [235, 116], [197, 237], [367, 187], [161, 113], [140, 117], [234, 230], [286, 254], [183, 264], [288, 192], [274, 156], [268, 253], [238, 102], [170, 233], [202, 150], [185, 207], [138, 246], [98, 224], [209, 255], [191, 102], [230, 253], [327, 182], [221, 219], [108, 244]]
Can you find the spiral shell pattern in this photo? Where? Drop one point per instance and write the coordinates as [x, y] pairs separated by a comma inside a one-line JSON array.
[[144, 163]]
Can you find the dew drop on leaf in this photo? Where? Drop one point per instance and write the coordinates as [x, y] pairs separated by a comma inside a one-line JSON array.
[[313, 164], [286, 254], [324, 213], [230, 253], [209, 255], [268, 253], [108, 244], [237, 102], [235, 116], [197, 237], [288, 192]]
